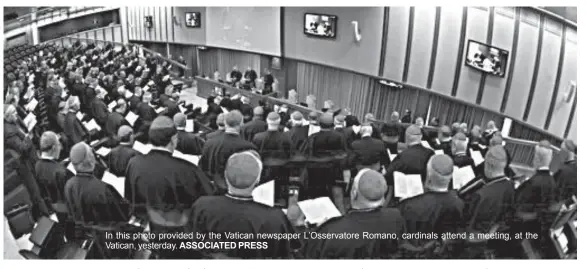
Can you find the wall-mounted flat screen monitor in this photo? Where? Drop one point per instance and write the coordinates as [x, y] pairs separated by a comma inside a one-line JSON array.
[[487, 58], [320, 25], [193, 19]]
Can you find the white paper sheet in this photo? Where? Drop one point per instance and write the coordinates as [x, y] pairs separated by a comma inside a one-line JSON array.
[[93, 143], [319, 210], [142, 148], [481, 146], [111, 105], [159, 110], [406, 186], [79, 115], [190, 158], [92, 125], [462, 176], [476, 156], [116, 182], [131, 118], [71, 168], [32, 104], [30, 121], [439, 152], [128, 94], [63, 94], [182, 109], [391, 156], [265, 194], [313, 129], [189, 126], [103, 151], [426, 145]]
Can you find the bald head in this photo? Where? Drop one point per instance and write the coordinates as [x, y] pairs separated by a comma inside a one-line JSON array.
[[491, 125], [439, 172], [243, 171], [82, 158], [542, 154], [395, 116], [366, 130], [413, 135], [179, 120], [444, 132], [495, 162], [50, 143], [162, 131], [459, 143], [258, 111], [369, 118], [233, 120], [496, 140], [220, 121], [368, 189], [313, 117], [326, 120]]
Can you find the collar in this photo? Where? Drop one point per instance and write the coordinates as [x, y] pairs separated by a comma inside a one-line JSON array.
[[160, 149], [363, 210], [495, 179], [460, 154], [543, 169], [72, 111], [84, 174], [180, 128], [45, 157], [231, 132], [239, 197]]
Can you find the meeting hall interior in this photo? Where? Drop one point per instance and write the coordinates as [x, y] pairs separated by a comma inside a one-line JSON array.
[[402, 132]]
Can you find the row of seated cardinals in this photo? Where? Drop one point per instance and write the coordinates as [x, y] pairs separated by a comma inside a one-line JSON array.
[[352, 164]]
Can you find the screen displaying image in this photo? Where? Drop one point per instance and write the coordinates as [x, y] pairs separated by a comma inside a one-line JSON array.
[[320, 25], [193, 19], [487, 58]]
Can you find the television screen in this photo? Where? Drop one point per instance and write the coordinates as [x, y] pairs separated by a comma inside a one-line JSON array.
[[193, 19], [486, 58], [320, 25]]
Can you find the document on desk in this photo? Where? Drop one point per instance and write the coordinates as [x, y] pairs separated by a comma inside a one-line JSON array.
[[265, 194], [189, 126], [462, 176], [406, 186], [116, 182], [391, 156], [142, 148], [32, 104], [131, 118], [319, 210], [426, 145], [103, 151], [476, 156], [92, 125]]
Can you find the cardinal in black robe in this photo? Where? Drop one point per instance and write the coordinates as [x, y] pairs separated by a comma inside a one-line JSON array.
[[366, 215], [368, 151], [298, 132], [74, 129], [437, 210], [236, 212], [120, 156], [50, 174], [255, 126], [153, 189], [116, 119], [413, 160], [445, 139], [187, 143]]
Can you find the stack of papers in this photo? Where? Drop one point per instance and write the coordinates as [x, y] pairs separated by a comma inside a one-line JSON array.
[[476, 156], [265, 194], [319, 210], [406, 186], [32, 105], [30, 121], [142, 148], [189, 126], [103, 151], [131, 118], [190, 158], [92, 125], [116, 182], [462, 176]]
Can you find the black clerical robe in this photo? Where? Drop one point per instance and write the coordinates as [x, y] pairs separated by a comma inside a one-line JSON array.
[[462, 159], [236, 214], [113, 123], [445, 146], [566, 181], [51, 177], [348, 134], [251, 128], [537, 193], [99, 111], [74, 129], [411, 161], [491, 204], [298, 135], [188, 143], [217, 151], [161, 183], [134, 102], [380, 221], [432, 212], [275, 149], [369, 151], [214, 134], [119, 158], [92, 201], [16, 140]]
